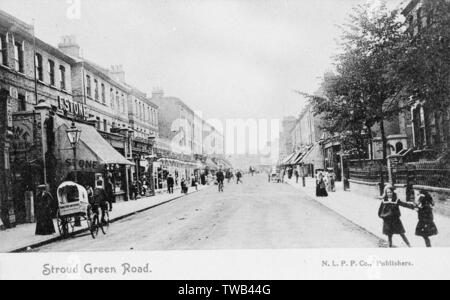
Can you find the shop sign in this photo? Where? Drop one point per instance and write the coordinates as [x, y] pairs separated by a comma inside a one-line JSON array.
[[83, 164], [9, 112], [75, 108]]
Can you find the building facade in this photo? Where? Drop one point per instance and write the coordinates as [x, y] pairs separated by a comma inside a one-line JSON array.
[[286, 144]]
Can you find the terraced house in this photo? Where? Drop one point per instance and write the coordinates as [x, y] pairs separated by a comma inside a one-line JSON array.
[[46, 90]]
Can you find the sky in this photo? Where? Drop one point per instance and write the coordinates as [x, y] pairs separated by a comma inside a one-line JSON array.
[[227, 59]]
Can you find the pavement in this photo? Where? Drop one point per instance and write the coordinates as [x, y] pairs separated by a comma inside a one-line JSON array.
[[23, 236], [363, 210], [249, 216]]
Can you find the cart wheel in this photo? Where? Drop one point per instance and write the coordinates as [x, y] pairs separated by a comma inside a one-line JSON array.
[[105, 225], [63, 225]]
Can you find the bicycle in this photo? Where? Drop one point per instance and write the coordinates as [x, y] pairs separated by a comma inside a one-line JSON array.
[[96, 224]]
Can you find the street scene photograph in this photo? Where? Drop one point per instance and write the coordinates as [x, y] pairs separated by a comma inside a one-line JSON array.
[[199, 125]]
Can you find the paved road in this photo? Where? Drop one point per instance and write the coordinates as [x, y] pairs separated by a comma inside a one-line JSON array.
[[256, 215]]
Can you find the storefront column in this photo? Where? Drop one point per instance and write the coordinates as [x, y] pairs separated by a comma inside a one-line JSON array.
[[7, 215]]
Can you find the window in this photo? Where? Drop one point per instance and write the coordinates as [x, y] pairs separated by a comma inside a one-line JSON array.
[[419, 19], [39, 67], [118, 100], [3, 50], [98, 123], [18, 57], [111, 92], [51, 71], [22, 104], [62, 73], [96, 95], [105, 125], [103, 93], [88, 86]]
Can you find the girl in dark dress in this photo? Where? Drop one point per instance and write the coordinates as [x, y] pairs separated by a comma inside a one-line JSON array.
[[426, 226], [321, 187], [390, 213]]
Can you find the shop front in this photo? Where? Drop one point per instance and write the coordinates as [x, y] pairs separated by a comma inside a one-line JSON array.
[[94, 162]]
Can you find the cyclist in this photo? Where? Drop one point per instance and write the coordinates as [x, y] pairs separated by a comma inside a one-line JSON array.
[[100, 202], [220, 179]]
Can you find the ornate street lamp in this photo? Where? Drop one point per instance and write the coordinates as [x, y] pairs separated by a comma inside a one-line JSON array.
[[74, 135]]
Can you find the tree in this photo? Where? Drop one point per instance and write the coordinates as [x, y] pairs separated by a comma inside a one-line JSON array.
[[425, 67], [367, 89]]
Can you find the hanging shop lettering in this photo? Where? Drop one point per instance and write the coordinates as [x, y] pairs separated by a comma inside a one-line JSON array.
[[83, 164], [75, 108]]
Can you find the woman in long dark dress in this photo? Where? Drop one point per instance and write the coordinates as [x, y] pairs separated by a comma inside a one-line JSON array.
[[321, 186], [390, 213], [426, 227], [44, 220]]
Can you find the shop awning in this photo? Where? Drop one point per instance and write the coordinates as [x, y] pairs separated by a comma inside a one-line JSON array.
[[314, 157], [288, 161], [210, 164], [92, 145]]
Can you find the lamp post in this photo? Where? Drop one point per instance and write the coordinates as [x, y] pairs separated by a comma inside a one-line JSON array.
[[74, 135]]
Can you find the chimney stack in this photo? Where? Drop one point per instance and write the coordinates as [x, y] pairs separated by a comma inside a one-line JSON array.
[[157, 93], [69, 46], [118, 73]]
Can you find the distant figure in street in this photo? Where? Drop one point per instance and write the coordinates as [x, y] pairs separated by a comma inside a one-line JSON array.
[[44, 220], [109, 188], [426, 227], [170, 184], [203, 179], [390, 213], [194, 182], [220, 176], [333, 182], [321, 186], [184, 187], [297, 176], [238, 177]]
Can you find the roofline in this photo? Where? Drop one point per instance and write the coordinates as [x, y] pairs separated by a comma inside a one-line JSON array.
[[411, 5], [26, 31]]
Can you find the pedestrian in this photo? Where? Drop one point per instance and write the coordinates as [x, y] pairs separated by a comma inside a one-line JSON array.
[[170, 184], [194, 182], [426, 227], [238, 177], [297, 175], [390, 213], [109, 189], [333, 181], [44, 220], [184, 187], [321, 186], [282, 174], [203, 178]]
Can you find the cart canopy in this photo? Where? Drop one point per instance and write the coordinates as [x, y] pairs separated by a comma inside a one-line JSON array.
[[71, 192]]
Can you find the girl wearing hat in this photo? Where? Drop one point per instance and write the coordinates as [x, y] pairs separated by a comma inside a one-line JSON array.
[[390, 213], [426, 226]]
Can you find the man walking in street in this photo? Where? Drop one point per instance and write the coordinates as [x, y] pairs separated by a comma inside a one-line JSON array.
[[238, 177], [170, 184], [220, 179], [109, 193], [297, 175]]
